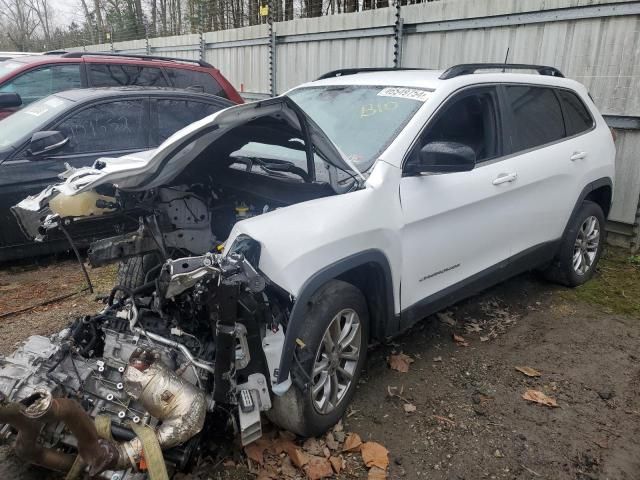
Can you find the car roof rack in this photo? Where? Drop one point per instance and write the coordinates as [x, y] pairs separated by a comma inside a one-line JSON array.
[[135, 55], [468, 68], [352, 71], [55, 52]]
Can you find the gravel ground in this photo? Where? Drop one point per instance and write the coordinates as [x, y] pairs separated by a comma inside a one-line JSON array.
[[470, 420]]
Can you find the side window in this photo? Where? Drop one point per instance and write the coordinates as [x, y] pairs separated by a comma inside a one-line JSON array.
[[39, 83], [577, 118], [537, 117], [471, 119], [113, 75], [120, 125], [183, 78], [174, 115]]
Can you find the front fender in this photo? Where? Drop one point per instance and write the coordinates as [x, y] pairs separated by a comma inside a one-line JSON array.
[[311, 286]]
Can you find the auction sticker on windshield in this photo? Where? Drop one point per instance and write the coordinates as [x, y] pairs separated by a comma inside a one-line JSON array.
[[404, 92]]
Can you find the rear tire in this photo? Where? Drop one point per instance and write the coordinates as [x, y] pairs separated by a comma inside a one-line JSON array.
[[581, 247], [132, 271], [335, 334]]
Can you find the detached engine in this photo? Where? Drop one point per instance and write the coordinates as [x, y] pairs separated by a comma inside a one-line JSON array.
[[126, 393]]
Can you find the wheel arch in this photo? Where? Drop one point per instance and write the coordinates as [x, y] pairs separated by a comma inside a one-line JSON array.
[[370, 272], [599, 191], [602, 194]]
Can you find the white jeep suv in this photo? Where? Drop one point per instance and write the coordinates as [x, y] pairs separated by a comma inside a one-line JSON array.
[[277, 238]]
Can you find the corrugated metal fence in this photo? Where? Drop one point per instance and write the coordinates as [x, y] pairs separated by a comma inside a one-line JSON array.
[[596, 42]]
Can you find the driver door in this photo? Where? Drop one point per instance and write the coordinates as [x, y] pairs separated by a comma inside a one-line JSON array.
[[456, 225]]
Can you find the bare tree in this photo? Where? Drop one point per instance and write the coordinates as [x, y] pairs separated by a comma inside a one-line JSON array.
[[43, 12], [21, 22]]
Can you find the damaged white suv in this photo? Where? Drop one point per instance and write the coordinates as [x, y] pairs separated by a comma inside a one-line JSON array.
[[276, 239]]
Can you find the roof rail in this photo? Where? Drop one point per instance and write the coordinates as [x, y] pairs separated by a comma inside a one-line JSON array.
[[55, 52], [135, 55], [353, 71], [468, 68]]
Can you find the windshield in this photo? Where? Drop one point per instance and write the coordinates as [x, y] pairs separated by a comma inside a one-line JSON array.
[[17, 127], [361, 120]]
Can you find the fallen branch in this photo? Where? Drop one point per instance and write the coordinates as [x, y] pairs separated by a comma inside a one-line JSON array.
[[444, 419], [535, 474], [42, 304]]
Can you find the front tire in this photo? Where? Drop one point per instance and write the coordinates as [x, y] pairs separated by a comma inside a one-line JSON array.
[[581, 247], [335, 336], [133, 271]]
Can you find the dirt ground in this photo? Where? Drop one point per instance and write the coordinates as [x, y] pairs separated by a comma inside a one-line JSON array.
[[470, 419]]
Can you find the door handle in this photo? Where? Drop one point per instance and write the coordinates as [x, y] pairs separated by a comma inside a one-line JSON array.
[[505, 178], [578, 156]]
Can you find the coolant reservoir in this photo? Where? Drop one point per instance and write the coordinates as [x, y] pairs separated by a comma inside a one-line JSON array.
[[80, 205]]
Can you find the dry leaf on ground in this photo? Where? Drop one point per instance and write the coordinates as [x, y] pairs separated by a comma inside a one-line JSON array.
[[375, 455], [318, 467], [298, 457], [400, 362], [287, 469], [409, 407], [255, 452], [352, 443], [539, 397], [313, 446], [528, 371], [331, 442], [376, 473], [460, 341], [337, 463]]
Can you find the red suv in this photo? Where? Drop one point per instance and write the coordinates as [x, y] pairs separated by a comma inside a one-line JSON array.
[[37, 76]]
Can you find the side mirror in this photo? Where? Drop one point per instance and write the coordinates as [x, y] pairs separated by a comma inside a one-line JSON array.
[[10, 100], [46, 142], [443, 157]]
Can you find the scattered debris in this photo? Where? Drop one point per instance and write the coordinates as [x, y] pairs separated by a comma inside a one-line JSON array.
[[538, 397], [460, 341], [498, 454], [409, 407], [445, 317], [437, 359], [400, 362], [529, 372]]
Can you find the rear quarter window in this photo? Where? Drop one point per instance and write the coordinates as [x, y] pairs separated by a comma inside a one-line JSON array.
[[577, 118], [182, 78], [536, 116], [112, 75]]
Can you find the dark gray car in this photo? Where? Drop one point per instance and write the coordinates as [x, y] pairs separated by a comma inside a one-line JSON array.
[[76, 128]]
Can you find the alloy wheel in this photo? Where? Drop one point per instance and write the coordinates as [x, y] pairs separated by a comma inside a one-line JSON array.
[[336, 361], [586, 246]]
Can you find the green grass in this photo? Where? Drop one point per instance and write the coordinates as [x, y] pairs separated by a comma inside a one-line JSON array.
[[616, 285]]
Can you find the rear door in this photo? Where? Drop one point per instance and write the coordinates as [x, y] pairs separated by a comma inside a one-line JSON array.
[[547, 156]]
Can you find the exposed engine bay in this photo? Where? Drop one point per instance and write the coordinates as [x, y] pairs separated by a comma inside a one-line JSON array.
[[201, 334], [144, 374]]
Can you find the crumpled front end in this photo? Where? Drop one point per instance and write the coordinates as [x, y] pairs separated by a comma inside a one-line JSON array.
[[142, 377]]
